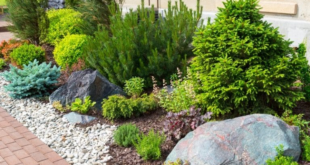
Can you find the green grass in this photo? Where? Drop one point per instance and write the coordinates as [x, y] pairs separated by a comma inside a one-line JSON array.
[[2, 3]]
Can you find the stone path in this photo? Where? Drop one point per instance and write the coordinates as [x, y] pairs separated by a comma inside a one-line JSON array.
[[18, 146], [4, 35]]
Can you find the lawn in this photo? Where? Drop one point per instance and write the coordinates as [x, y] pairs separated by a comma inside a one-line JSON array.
[[2, 2]]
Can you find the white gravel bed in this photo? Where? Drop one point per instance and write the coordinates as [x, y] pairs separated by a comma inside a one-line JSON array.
[[76, 145]]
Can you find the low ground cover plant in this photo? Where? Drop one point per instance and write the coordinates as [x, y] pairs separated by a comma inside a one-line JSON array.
[[244, 65], [33, 80], [138, 45], [177, 125], [117, 106], [149, 146], [82, 106], [62, 22], [126, 135], [27, 53], [182, 96], [69, 50], [280, 159]]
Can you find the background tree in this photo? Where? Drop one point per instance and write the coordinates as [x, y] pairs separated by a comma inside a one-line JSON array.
[[29, 19]]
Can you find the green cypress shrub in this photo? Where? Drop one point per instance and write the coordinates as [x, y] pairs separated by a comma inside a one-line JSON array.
[[243, 64], [69, 50], [143, 48], [33, 80], [62, 22], [305, 71], [27, 53], [29, 19]]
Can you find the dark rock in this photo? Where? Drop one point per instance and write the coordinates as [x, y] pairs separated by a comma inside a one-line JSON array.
[[74, 118], [85, 83], [249, 139]]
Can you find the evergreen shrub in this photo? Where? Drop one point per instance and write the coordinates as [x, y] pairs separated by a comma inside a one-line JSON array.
[[243, 64], [117, 106], [126, 135], [305, 71], [144, 48], [94, 13], [62, 22], [27, 53], [149, 146], [29, 19], [33, 80], [2, 63], [69, 50]]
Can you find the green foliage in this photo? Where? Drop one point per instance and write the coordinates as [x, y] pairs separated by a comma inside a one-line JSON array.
[[33, 80], [126, 135], [117, 106], [134, 86], [280, 159], [138, 45], [82, 106], [68, 51], [305, 70], [181, 98], [177, 162], [29, 19], [57, 105], [306, 148], [2, 63], [27, 53], [63, 22], [243, 64], [95, 13], [297, 120], [72, 3], [148, 146]]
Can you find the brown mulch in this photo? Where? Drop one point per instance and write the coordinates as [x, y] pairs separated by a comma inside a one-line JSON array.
[[152, 120]]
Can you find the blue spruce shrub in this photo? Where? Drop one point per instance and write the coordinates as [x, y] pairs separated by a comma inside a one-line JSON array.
[[33, 81]]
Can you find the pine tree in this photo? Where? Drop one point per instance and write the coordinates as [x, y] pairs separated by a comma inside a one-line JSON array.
[[29, 19], [244, 64], [138, 45], [94, 13]]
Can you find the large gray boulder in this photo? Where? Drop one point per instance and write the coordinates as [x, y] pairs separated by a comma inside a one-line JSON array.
[[244, 140], [85, 83]]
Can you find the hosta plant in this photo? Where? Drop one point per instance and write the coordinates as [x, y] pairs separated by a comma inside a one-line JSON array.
[[82, 106], [177, 125], [33, 80], [244, 65]]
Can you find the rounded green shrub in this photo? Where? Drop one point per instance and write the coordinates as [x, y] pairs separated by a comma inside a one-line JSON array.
[[27, 53], [243, 64], [2, 63], [68, 51], [126, 134], [62, 22]]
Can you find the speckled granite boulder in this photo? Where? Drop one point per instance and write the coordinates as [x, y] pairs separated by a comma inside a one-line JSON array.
[[244, 140]]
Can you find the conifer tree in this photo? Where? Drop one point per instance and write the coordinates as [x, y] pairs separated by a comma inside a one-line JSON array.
[[29, 19], [243, 64], [138, 45]]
